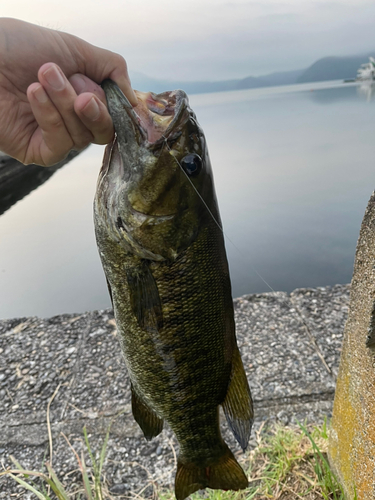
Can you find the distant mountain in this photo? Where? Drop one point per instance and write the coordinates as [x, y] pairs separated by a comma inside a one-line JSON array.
[[250, 82], [327, 68], [333, 68], [145, 83], [271, 80]]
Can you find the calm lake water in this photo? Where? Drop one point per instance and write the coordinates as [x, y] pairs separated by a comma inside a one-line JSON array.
[[294, 168]]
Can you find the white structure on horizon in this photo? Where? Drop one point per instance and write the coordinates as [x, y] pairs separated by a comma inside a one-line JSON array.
[[367, 71]]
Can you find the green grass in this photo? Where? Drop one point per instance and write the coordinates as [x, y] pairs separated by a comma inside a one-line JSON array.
[[288, 463]]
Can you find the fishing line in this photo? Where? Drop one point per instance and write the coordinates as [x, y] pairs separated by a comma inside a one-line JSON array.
[[216, 222], [246, 261]]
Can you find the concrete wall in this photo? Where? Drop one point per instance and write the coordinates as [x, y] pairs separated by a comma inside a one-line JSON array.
[[352, 439]]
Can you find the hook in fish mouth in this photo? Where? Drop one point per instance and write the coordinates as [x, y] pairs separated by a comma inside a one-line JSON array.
[[155, 117]]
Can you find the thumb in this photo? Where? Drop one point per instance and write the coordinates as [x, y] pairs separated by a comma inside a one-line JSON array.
[[98, 64], [119, 74]]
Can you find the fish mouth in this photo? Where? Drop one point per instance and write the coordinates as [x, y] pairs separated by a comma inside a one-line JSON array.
[[158, 114], [157, 118], [154, 118]]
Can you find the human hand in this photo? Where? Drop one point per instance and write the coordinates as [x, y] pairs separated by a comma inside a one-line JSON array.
[[50, 98]]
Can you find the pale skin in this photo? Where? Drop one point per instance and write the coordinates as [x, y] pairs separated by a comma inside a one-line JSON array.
[[50, 98]]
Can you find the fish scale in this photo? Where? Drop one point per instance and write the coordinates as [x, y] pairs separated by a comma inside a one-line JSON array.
[[163, 254]]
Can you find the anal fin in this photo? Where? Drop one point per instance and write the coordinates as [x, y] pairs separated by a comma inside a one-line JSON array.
[[238, 404], [146, 418], [225, 474]]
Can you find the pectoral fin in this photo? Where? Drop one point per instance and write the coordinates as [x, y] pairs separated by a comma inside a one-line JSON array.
[[144, 297], [146, 418], [238, 405]]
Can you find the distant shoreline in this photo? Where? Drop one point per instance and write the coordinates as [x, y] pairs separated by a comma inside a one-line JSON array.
[[325, 69]]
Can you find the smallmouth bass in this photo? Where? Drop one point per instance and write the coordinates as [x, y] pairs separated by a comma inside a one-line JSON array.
[[159, 236]]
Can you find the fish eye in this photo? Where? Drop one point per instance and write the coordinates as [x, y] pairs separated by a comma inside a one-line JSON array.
[[192, 164]]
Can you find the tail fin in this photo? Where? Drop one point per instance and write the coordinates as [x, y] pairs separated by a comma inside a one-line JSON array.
[[225, 474]]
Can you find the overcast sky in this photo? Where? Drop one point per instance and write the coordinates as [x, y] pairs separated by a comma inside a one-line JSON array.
[[210, 39]]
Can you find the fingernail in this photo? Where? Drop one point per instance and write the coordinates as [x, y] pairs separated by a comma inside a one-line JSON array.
[[40, 95], [91, 110], [54, 78]]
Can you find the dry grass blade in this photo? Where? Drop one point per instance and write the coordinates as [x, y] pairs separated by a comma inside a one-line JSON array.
[[49, 427], [83, 469], [294, 493], [24, 472], [174, 453], [307, 479], [73, 450]]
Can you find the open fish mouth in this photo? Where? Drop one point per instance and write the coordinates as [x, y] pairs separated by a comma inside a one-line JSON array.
[[158, 114], [155, 117]]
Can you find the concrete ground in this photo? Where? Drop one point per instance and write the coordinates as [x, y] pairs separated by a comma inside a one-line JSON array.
[[290, 346]]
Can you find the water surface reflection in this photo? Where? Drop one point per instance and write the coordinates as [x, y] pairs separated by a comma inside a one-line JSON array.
[[293, 169]]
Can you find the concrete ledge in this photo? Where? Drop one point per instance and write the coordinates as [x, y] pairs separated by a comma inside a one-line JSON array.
[[290, 345]]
